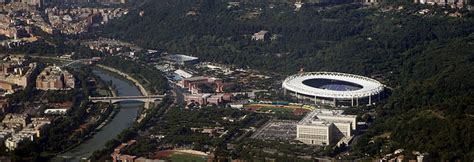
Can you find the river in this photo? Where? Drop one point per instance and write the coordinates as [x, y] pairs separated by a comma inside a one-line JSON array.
[[122, 120]]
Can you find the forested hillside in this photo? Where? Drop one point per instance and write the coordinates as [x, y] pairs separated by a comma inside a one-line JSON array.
[[427, 59]]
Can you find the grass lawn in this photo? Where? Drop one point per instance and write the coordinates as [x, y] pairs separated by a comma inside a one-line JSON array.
[[277, 110]]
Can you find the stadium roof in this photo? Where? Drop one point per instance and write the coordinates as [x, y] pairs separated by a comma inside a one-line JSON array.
[[369, 86], [179, 58]]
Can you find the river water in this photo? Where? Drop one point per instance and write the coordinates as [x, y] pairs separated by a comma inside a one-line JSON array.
[[122, 120]]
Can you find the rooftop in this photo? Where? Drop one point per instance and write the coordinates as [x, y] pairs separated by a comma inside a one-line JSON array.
[[179, 58], [319, 117]]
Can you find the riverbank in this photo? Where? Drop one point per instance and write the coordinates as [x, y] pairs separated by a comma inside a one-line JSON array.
[[111, 112], [126, 76], [121, 119]]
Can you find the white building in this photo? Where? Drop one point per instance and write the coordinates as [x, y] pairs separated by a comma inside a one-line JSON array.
[[14, 135], [314, 132], [60, 111], [181, 59], [12, 142], [333, 88], [323, 127], [183, 74], [262, 35]]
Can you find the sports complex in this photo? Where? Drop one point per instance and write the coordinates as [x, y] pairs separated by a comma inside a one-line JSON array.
[[333, 88]]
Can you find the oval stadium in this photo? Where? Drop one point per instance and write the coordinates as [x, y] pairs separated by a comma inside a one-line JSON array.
[[333, 88]]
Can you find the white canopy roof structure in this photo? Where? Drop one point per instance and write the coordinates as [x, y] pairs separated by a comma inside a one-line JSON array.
[[369, 86]]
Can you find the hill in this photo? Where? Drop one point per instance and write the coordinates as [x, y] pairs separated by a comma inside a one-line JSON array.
[[426, 58]]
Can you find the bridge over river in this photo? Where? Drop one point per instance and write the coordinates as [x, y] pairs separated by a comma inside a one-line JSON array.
[[149, 98]]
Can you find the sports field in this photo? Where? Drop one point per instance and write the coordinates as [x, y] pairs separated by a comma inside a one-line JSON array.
[[256, 106]]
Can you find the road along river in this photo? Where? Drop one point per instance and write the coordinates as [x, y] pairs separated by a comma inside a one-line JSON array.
[[123, 119]]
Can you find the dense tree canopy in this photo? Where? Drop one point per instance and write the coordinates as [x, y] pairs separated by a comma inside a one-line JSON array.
[[426, 59]]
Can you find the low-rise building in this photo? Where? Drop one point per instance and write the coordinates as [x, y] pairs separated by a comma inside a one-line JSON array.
[[15, 71], [181, 59], [205, 98], [16, 128], [4, 105], [59, 108], [11, 143], [183, 74], [117, 154], [262, 35], [8, 87], [315, 132], [323, 127], [201, 99], [216, 99], [193, 84], [37, 126], [37, 3], [15, 120]]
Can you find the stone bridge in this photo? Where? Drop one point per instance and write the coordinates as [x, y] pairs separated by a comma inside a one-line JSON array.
[[145, 99]]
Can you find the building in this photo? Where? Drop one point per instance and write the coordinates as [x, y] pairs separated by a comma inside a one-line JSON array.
[[315, 133], [194, 84], [453, 3], [54, 78], [262, 35], [8, 87], [183, 74], [112, 1], [17, 128], [4, 105], [200, 99], [6, 132], [333, 88], [216, 99], [117, 155], [298, 5], [324, 127], [58, 108], [215, 66], [11, 143], [371, 1], [37, 126], [142, 159], [181, 59], [37, 3], [16, 120], [204, 98], [14, 70]]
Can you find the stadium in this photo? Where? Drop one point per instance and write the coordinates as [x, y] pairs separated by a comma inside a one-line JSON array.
[[181, 59], [333, 88]]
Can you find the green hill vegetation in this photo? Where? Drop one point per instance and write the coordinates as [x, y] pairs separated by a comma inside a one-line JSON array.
[[426, 58]]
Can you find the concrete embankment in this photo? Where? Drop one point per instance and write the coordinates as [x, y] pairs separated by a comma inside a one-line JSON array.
[[136, 82]]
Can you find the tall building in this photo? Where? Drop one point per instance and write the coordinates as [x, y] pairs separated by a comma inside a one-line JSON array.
[[324, 127]]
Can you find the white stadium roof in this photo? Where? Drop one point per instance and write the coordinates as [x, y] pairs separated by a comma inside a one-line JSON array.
[[180, 57], [370, 86]]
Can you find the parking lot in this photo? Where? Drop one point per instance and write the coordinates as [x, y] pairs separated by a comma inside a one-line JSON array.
[[277, 129]]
